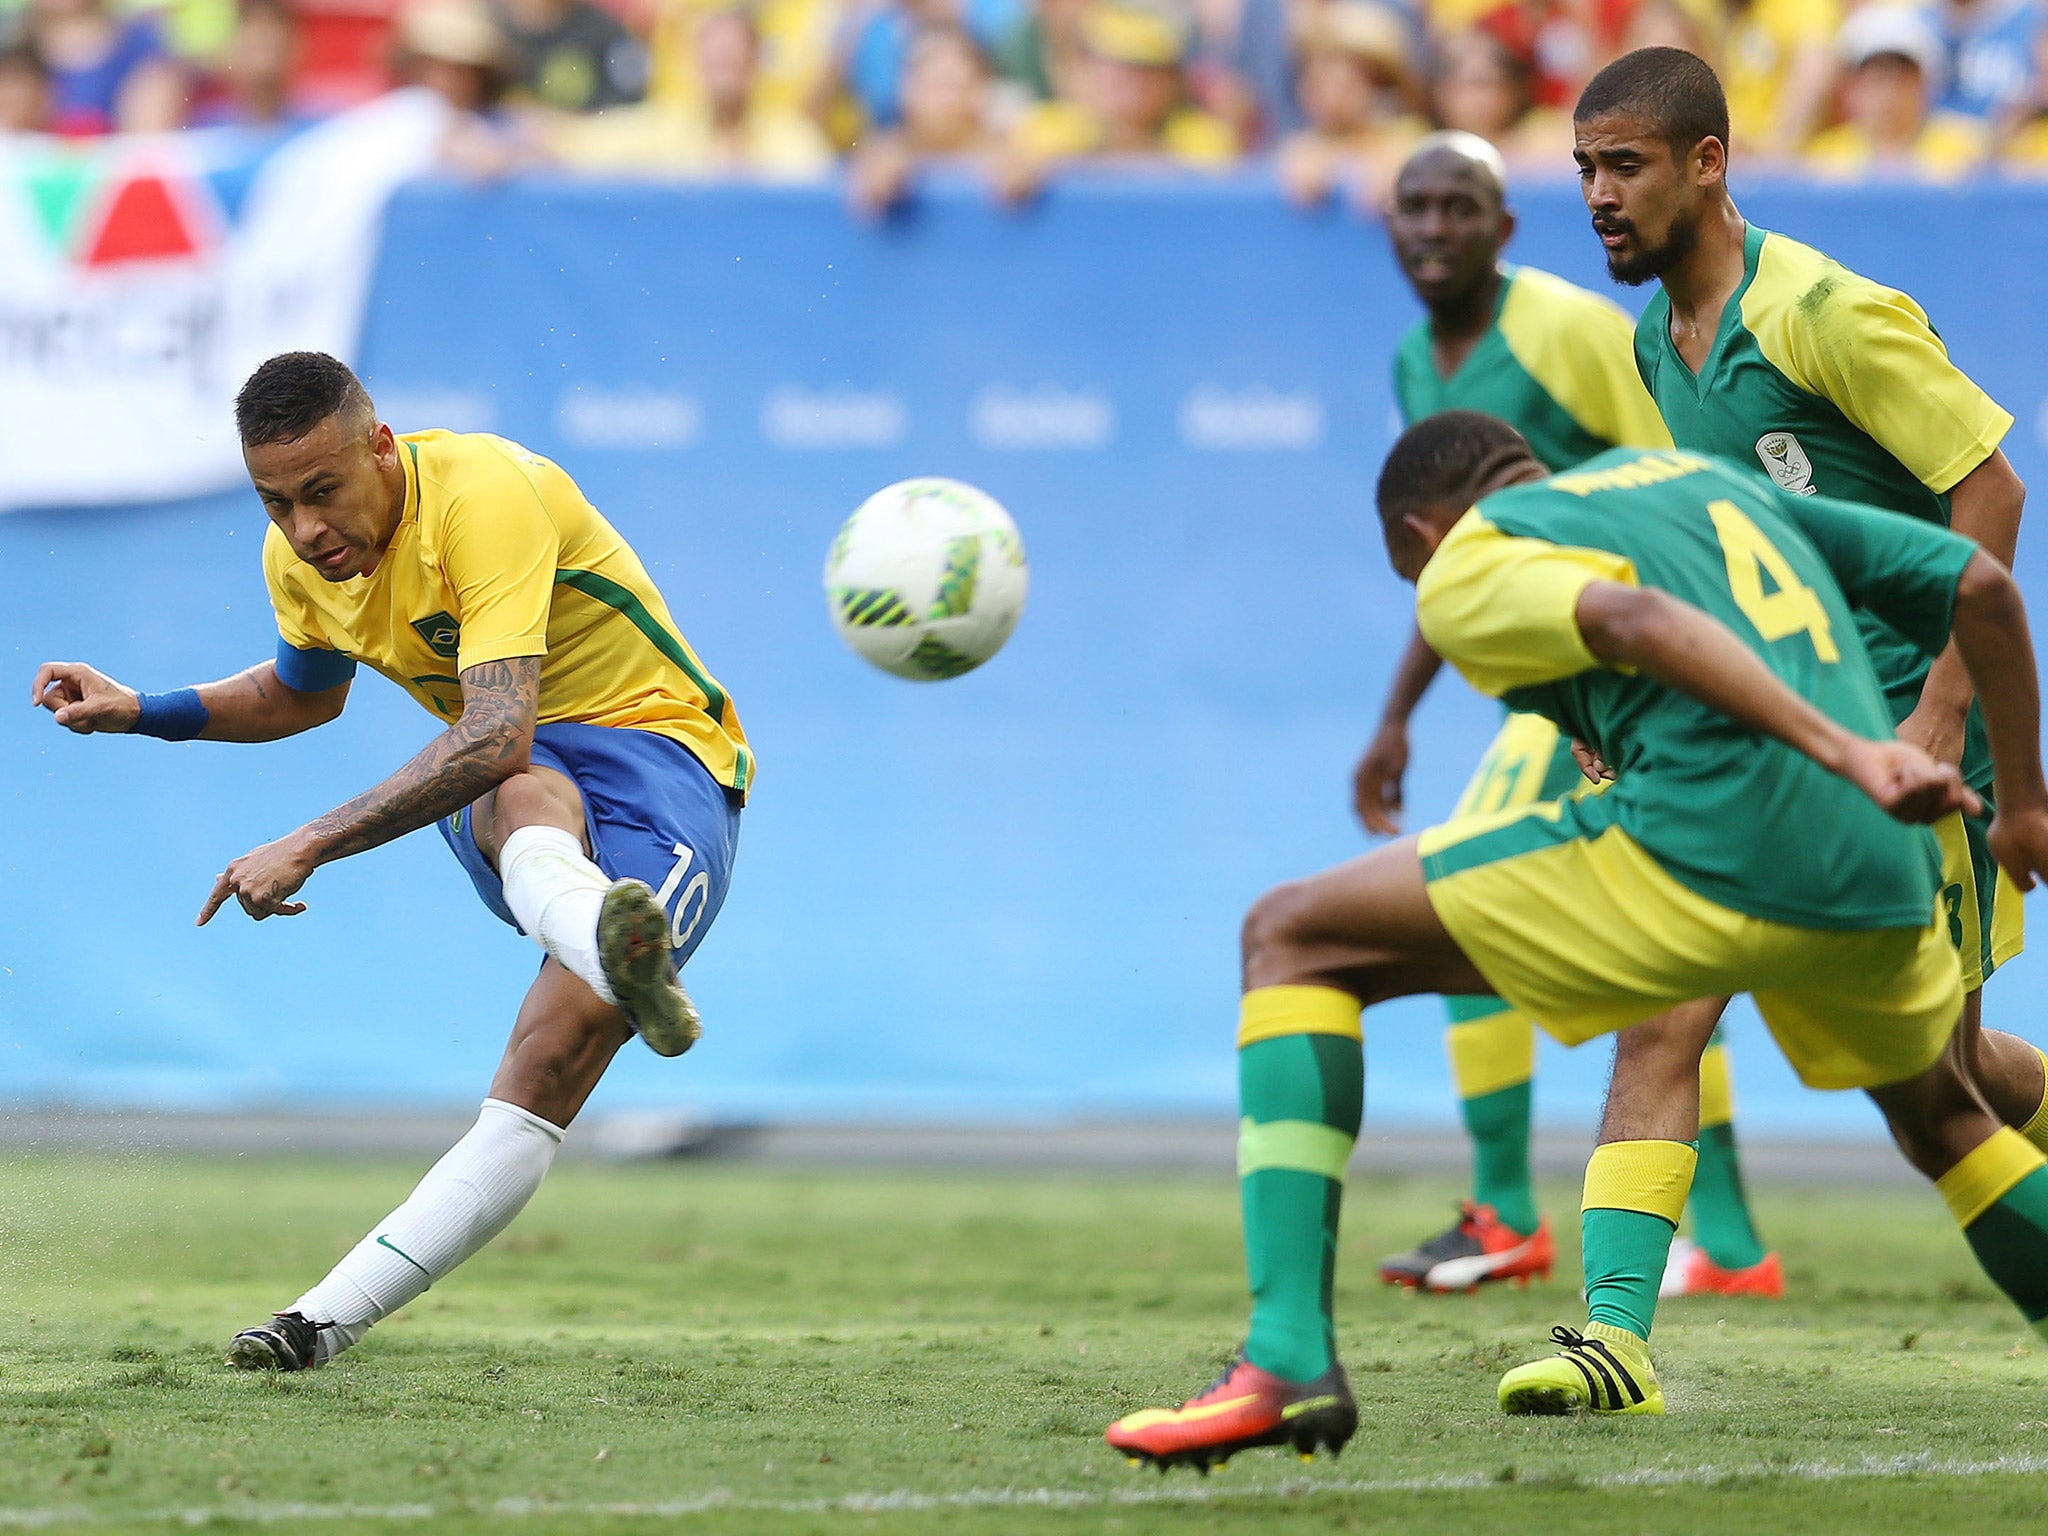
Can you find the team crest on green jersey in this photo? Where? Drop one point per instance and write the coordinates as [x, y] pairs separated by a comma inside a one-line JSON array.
[[442, 634], [1787, 463]]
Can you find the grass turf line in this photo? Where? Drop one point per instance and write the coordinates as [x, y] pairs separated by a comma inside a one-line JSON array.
[[732, 1349]]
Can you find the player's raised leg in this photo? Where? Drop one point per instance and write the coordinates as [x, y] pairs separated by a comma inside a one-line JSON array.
[[610, 934], [1315, 953]]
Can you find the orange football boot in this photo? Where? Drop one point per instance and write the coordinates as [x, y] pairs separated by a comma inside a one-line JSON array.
[[1477, 1249], [1243, 1408], [1689, 1272]]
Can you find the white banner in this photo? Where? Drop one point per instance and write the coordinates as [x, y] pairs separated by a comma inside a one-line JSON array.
[[143, 278]]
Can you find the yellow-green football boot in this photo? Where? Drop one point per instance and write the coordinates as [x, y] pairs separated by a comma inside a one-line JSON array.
[[1603, 1370]]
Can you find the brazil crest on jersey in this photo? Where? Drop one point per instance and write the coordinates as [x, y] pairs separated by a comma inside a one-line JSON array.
[[1835, 386], [1555, 364], [1739, 819]]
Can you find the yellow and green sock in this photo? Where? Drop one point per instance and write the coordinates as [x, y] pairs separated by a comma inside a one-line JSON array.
[[1721, 1220], [1493, 1059], [1635, 1192], [1999, 1197], [1301, 1093]]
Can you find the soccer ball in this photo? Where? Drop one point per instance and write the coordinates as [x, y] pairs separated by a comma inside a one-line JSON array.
[[927, 579]]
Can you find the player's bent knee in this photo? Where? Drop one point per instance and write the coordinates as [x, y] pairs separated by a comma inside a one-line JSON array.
[[536, 796], [1935, 1118], [1272, 935]]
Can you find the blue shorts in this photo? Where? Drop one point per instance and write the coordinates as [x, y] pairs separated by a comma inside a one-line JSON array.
[[653, 812]]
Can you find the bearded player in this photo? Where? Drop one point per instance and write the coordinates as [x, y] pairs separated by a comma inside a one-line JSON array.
[[589, 778], [1558, 364], [1767, 353]]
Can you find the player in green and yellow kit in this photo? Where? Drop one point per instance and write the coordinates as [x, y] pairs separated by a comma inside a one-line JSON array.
[[1692, 624], [1768, 354], [1557, 364]]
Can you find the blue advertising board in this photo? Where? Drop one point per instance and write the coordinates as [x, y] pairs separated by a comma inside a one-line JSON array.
[[1015, 893]]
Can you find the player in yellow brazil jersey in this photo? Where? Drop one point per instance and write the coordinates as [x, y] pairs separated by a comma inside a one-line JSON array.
[[1692, 623], [589, 778], [1766, 353], [1557, 364]]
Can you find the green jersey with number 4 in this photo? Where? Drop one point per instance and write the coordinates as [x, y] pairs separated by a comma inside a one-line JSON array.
[[1741, 820]]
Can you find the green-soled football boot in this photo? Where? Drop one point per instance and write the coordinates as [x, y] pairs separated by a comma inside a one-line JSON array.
[[1603, 1370]]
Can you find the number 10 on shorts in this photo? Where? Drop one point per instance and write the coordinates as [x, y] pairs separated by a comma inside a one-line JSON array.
[[696, 895]]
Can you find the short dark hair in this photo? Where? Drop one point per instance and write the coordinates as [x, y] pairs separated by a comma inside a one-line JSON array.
[[1676, 92], [293, 393], [1445, 458]]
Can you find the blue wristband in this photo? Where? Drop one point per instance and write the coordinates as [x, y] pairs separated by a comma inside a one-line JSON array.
[[174, 716]]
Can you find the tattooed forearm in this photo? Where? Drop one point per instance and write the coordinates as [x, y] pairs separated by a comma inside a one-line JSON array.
[[479, 751]]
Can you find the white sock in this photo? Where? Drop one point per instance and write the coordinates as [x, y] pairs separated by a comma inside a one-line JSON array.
[[556, 892], [466, 1199]]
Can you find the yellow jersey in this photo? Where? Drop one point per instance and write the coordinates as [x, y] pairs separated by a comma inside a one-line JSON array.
[[497, 555], [1947, 149], [1061, 130]]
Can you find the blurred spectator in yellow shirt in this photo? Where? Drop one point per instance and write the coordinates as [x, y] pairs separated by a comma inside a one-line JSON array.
[[1897, 67], [726, 131], [24, 90], [1778, 65], [1130, 103], [793, 52], [1355, 85], [1481, 87], [945, 117], [572, 55]]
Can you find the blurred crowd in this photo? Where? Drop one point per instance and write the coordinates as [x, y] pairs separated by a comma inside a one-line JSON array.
[[1331, 91]]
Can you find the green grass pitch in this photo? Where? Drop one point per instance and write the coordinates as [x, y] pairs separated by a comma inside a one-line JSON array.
[[716, 1348]]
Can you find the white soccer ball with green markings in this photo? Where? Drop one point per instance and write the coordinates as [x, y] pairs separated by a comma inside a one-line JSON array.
[[927, 579]]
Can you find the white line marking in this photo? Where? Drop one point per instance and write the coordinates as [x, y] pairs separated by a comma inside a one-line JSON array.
[[1189, 1491]]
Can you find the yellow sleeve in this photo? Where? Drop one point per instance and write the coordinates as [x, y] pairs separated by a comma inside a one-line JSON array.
[[1054, 130], [1950, 147], [1504, 610], [1582, 349], [499, 549], [1196, 138], [1794, 23], [1870, 351], [298, 625]]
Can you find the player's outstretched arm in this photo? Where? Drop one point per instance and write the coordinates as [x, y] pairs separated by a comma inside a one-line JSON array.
[[1691, 651], [491, 741], [1984, 506], [1989, 630], [1376, 782], [250, 706]]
